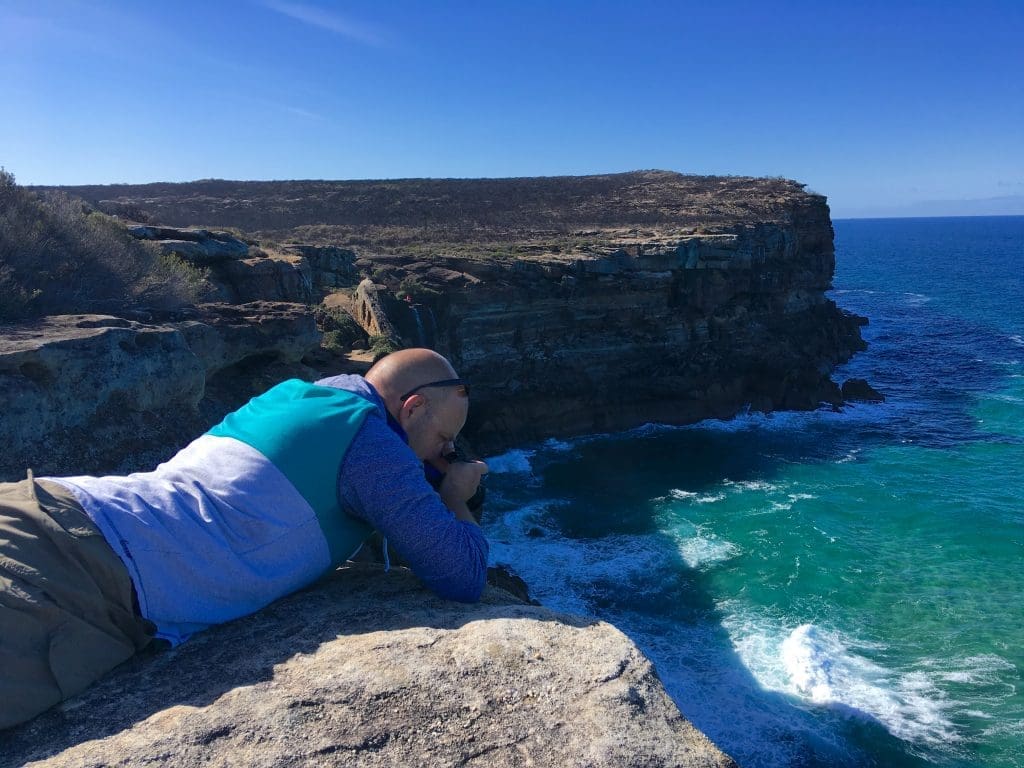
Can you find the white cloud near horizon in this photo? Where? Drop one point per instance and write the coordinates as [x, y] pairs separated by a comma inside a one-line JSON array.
[[327, 20]]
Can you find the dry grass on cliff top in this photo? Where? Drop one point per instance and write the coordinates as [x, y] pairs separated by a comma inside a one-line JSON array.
[[482, 217]]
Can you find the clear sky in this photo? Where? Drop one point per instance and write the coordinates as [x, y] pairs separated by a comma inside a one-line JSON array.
[[889, 108]]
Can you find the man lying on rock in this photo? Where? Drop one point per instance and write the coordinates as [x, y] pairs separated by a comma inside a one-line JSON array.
[[276, 495]]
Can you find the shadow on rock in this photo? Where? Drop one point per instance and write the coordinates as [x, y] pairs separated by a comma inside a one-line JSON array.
[[368, 665]]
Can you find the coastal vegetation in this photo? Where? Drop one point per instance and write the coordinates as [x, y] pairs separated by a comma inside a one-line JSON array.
[[483, 219], [59, 254], [340, 329]]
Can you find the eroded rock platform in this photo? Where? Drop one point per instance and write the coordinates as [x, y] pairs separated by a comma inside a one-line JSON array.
[[367, 668]]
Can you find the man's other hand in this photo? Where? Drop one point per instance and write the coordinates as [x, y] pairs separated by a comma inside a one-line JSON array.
[[459, 484]]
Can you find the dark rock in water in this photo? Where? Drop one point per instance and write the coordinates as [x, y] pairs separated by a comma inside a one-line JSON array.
[[502, 577], [369, 669], [858, 390]]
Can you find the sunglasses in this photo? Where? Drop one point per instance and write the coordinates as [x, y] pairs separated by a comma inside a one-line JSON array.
[[441, 383]]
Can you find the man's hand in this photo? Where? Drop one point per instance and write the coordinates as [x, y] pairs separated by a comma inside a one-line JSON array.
[[460, 483]]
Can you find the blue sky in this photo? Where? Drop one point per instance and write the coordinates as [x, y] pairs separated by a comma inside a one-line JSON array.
[[889, 108]]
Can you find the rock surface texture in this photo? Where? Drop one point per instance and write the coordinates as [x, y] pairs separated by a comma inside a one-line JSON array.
[[85, 393], [72, 384], [368, 669]]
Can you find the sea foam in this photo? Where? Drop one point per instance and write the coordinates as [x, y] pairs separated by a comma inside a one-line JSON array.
[[702, 551], [517, 460]]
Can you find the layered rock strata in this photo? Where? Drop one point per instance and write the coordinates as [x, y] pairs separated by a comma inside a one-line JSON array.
[[645, 328], [368, 669], [92, 393]]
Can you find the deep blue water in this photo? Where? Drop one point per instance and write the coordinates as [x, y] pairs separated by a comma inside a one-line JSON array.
[[823, 588]]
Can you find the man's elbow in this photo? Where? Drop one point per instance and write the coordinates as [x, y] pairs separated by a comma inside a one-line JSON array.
[[464, 593], [468, 587]]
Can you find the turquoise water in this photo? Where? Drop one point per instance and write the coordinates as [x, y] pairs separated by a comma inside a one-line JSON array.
[[822, 588]]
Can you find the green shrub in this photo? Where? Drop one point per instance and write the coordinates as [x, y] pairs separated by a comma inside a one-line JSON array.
[[59, 256], [419, 292], [336, 341], [381, 346], [340, 329]]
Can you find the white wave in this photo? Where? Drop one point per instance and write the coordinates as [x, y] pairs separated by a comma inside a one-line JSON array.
[[750, 485], [822, 668], [681, 495], [819, 667], [710, 498], [793, 421], [567, 574], [979, 670], [916, 299], [517, 460], [850, 455], [1017, 339], [697, 498], [791, 501], [808, 664], [516, 523], [1011, 728]]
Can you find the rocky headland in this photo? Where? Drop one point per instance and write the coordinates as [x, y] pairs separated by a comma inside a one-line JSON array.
[[573, 305]]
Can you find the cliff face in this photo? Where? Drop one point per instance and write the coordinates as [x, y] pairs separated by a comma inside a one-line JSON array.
[[573, 304], [648, 325]]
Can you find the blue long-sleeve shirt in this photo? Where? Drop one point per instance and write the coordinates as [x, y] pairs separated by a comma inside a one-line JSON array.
[[448, 554]]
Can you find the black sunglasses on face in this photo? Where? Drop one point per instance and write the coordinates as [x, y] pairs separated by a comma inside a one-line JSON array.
[[441, 383]]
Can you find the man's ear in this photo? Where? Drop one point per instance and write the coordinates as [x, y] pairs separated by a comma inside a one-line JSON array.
[[411, 405]]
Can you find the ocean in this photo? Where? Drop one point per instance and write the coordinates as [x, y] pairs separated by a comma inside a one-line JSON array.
[[822, 589]]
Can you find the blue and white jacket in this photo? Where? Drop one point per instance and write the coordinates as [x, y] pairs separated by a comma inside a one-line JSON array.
[[277, 494]]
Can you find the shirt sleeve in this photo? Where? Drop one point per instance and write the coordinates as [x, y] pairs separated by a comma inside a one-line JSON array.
[[381, 482]]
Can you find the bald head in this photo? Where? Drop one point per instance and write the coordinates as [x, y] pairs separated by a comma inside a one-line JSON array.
[[431, 416], [407, 369]]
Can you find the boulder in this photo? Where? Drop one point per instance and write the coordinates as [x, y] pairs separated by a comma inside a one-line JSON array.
[[369, 669], [270, 277], [199, 246], [96, 393], [331, 266], [369, 312]]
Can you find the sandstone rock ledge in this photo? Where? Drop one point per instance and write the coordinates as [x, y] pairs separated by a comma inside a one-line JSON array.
[[368, 669]]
